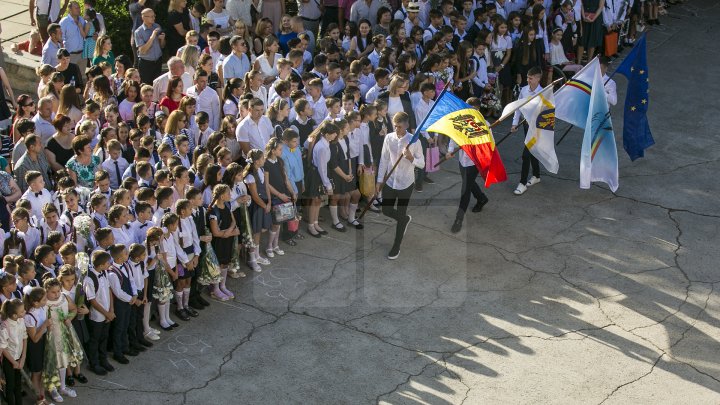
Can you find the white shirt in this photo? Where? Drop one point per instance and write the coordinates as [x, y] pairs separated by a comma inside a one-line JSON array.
[[372, 94], [160, 84], [12, 334], [330, 89], [422, 109], [404, 175], [610, 90], [394, 106], [109, 166], [463, 158], [42, 7], [116, 285], [139, 274], [320, 158], [38, 200], [319, 109], [257, 134], [123, 236], [43, 128], [262, 94], [364, 140], [240, 10], [101, 295], [209, 102], [139, 230], [524, 93], [189, 235]]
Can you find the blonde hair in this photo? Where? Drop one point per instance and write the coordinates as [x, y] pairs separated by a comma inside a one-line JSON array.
[[172, 125], [99, 45]]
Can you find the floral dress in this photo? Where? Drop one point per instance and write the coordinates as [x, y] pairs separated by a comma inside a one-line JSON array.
[[63, 348], [162, 286], [85, 174]]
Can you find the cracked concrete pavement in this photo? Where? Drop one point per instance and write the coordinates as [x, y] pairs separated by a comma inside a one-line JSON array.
[[559, 296]]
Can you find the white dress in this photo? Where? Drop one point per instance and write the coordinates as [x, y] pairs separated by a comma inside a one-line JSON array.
[[265, 68]]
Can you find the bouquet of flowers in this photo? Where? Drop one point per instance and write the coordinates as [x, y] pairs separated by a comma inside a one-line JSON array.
[[84, 227], [65, 343], [209, 267], [163, 288], [246, 230], [82, 262]]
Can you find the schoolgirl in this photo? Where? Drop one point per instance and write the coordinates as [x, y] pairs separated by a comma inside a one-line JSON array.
[[188, 242], [169, 256], [280, 188], [13, 335], [26, 276], [501, 51], [228, 127], [223, 229], [213, 176], [37, 325], [239, 201], [318, 182], [65, 349], [70, 288], [351, 195], [8, 286], [256, 180], [159, 275], [118, 218]]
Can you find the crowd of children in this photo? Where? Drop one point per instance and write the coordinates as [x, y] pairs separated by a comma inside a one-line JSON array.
[[127, 191]]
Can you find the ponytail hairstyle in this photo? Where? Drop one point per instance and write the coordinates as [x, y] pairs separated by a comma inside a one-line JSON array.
[[248, 78], [367, 110], [51, 283], [326, 128], [218, 192], [273, 144], [15, 241], [154, 234], [66, 270], [253, 156], [11, 264], [35, 295], [115, 213], [274, 108], [233, 84], [169, 219], [25, 266], [10, 308]]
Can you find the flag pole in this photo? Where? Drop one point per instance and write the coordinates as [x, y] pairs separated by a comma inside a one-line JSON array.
[[402, 154], [564, 135]]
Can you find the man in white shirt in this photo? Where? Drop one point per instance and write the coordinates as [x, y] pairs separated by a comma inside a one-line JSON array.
[[52, 45], [239, 10], [176, 68], [255, 130], [43, 120], [73, 38], [207, 99], [399, 186]]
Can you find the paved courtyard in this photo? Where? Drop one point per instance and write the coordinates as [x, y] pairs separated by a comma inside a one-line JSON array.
[[561, 295]]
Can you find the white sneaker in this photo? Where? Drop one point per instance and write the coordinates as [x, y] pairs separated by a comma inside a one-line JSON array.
[[533, 181], [151, 336], [56, 396], [255, 267], [269, 253], [521, 188], [278, 251], [155, 331], [263, 261], [69, 392]]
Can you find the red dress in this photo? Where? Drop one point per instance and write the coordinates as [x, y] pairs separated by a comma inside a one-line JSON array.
[[168, 103]]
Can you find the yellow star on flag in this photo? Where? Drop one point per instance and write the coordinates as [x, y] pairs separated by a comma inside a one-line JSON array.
[[644, 101], [632, 108], [632, 69], [642, 72]]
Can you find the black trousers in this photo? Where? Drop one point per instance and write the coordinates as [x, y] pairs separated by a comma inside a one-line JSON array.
[[13, 383], [330, 15], [149, 70], [527, 160], [120, 327], [394, 205], [97, 345], [469, 186], [136, 331], [420, 174]]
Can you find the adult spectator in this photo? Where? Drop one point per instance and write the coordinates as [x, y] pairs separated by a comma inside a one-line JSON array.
[[310, 13], [255, 130], [45, 12], [207, 98], [24, 127], [135, 8], [52, 45], [149, 39], [70, 71], [73, 33], [43, 120], [32, 159], [176, 68], [83, 165], [239, 10], [178, 22], [237, 63], [367, 10], [59, 149]]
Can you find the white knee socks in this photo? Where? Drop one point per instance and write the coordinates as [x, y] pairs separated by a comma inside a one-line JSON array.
[[351, 212], [179, 299], [186, 297], [271, 240], [146, 317], [62, 372], [334, 214]]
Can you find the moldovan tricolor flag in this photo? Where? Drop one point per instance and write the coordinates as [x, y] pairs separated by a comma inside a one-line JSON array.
[[598, 156], [540, 139], [573, 99], [468, 128]]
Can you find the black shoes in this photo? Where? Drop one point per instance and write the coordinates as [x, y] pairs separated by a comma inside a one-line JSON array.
[[121, 359], [99, 370], [107, 366], [192, 312], [419, 186], [200, 300], [457, 225], [480, 204], [182, 314], [394, 253], [195, 305], [428, 180], [81, 378]]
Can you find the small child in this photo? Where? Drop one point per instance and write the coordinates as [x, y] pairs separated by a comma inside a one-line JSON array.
[[102, 185], [139, 227], [200, 220], [182, 144], [45, 258], [51, 223], [104, 238], [97, 293], [163, 195], [203, 122], [124, 293], [160, 273], [303, 122], [333, 107], [187, 241], [33, 44], [170, 254], [98, 207], [65, 349], [68, 279], [26, 276], [72, 208], [115, 165], [118, 218], [37, 326], [36, 193], [260, 217], [137, 264], [13, 342], [224, 230]]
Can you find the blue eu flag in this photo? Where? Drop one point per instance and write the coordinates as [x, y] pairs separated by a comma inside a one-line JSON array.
[[636, 130]]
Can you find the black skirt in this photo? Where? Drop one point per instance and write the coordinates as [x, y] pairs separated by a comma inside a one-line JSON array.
[[313, 183], [36, 354]]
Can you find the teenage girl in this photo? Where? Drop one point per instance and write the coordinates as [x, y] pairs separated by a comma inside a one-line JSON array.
[[341, 175], [318, 182], [68, 279], [37, 325], [67, 352], [162, 287], [239, 202], [256, 180], [223, 229], [169, 248], [8, 286], [15, 335]]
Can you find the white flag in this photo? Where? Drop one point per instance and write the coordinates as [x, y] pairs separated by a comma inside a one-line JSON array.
[[540, 137]]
